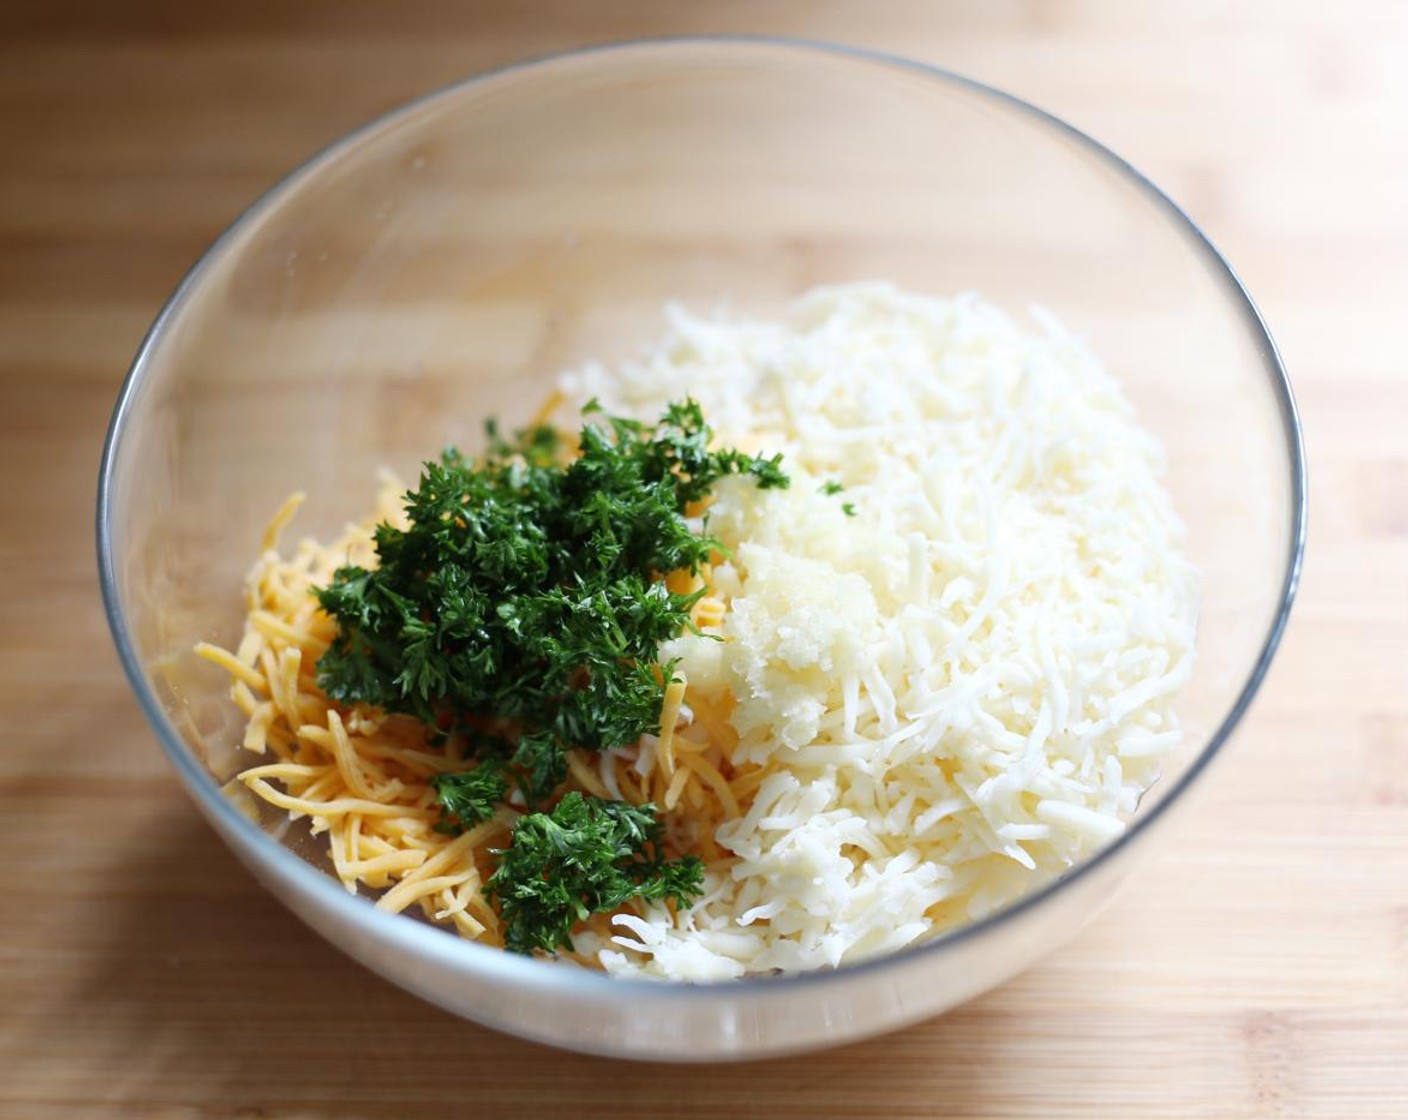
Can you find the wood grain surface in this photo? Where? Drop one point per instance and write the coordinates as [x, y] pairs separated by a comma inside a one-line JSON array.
[[1260, 969]]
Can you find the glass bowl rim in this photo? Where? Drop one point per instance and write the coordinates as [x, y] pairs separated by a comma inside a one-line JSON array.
[[429, 942]]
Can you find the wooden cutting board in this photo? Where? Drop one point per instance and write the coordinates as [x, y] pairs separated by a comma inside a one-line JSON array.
[[1259, 970]]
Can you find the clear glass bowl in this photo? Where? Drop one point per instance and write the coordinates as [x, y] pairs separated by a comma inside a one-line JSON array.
[[444, 263]]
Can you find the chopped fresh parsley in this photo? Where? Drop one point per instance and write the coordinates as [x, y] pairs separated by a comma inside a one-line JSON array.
[[525, 599], [832, 488], [523, 607], [586, 857], [468, 797]]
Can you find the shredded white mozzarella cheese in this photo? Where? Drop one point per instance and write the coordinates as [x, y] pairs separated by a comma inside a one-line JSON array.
[[960, 690]]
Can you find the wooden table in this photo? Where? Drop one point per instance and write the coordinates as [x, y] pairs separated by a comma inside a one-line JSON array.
[[1259, 970]]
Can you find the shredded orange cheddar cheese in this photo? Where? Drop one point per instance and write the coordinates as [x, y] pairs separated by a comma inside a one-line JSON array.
[[361, 777]]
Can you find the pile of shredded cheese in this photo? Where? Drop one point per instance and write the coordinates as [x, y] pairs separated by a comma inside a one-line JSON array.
[[910, 701], [952, 695]]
